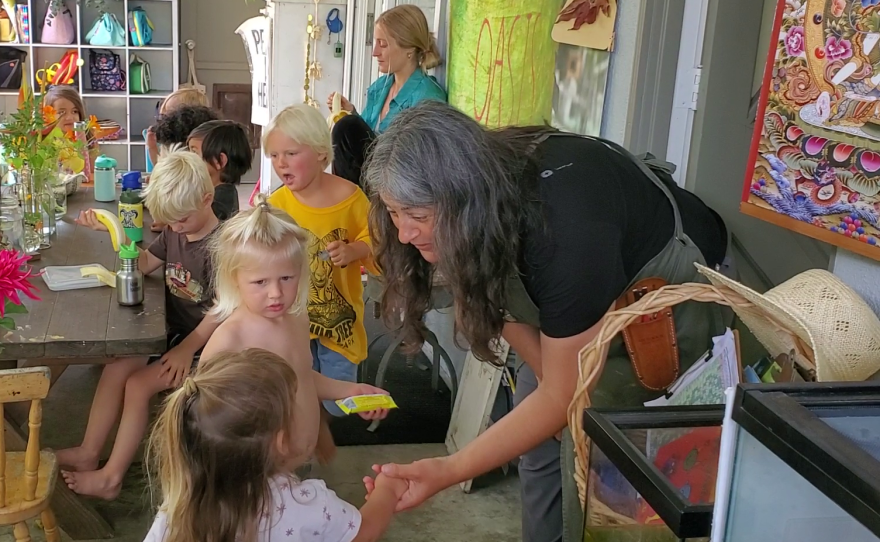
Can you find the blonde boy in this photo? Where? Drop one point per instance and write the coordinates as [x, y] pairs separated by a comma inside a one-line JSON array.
[[180, 195], [334, 213]]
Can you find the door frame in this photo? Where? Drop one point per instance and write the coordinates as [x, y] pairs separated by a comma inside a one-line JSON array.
[[687, 87], [360, 20]]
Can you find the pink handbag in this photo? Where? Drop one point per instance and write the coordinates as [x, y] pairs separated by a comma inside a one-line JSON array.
[[58, 27]]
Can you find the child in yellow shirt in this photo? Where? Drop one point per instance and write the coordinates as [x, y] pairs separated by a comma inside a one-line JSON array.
[[334, 212]]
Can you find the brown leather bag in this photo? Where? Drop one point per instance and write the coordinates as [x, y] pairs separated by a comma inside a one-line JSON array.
[[651, 341]]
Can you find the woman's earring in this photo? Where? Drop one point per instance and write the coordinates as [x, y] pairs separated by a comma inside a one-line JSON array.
[[409, 55]]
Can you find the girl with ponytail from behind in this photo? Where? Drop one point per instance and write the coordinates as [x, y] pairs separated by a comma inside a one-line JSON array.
[[223, 448]]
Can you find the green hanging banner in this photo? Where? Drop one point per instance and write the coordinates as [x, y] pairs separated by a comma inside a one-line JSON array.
[[501, 60]]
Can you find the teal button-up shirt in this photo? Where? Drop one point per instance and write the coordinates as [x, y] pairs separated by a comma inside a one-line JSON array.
[[418, 87]]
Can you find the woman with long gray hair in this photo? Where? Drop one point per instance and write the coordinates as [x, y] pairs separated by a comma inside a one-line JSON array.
[[538, 234]]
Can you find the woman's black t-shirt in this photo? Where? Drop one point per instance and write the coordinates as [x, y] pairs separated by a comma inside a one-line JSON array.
[[605, 220]]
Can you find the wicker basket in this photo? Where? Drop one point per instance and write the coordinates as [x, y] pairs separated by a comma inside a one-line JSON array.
[[592, 359]]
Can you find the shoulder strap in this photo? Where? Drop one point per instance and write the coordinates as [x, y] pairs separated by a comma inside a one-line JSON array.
[[643, 167]]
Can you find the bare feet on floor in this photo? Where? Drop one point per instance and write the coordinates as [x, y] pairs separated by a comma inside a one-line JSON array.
[[96, 483], [77, 459]]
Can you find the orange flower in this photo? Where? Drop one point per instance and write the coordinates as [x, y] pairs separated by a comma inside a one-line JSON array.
[[49, 114]]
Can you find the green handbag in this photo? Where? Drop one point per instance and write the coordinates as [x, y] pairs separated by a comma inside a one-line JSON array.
[[139, 75]]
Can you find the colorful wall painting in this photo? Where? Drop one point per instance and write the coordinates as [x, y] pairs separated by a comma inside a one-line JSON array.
[[501, 60], [815, 157], [586, 23]]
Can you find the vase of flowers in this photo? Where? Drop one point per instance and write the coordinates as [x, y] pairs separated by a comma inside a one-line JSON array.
[[37, 148], [15, 275]]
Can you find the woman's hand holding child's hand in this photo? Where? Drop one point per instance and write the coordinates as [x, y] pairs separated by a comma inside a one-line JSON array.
[[397, 486], [88, 219], [176, 364]]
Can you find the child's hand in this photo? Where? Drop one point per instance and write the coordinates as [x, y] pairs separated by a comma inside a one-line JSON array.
[[366, 389], [397, 486], [341, 253], [176, 364], [88, 219], [152, 144]]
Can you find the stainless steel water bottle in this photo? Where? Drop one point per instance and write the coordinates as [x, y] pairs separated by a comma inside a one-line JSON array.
[[129, 279]]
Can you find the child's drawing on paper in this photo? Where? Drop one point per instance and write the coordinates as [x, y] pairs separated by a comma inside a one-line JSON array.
[[818, 156]]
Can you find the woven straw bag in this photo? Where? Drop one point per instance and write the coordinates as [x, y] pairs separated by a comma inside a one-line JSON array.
[[591, 363]]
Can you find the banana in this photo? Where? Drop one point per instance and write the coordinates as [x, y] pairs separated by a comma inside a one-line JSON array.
[[336, 112], [108, 219]]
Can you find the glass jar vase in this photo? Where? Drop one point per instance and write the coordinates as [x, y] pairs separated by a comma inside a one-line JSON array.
[[11, 224]]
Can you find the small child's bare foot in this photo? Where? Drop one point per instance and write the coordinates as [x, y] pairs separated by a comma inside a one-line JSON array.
[[77, 459], [325, 449], [96, 483]]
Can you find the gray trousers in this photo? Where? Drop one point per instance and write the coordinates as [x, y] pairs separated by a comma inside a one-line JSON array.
[[540, 476], [543, 472]]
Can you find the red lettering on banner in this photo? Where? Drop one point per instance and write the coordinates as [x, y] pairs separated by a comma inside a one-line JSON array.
[[502, 77]]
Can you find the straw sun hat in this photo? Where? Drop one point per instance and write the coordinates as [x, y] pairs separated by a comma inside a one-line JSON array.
[[833, 329]]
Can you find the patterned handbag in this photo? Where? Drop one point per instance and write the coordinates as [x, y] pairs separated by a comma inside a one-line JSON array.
[[105, 71]]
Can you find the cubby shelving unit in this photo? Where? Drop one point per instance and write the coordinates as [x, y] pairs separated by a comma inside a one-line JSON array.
[[134, 112]]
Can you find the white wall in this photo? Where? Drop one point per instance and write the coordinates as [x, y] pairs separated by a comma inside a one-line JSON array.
[[622, 78], [220, 53], [861, 274]]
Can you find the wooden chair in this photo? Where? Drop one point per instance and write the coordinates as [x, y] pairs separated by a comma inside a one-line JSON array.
[[27, 479]]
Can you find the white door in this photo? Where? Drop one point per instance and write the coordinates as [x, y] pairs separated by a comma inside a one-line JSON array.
[[687, 84], [362, 68]]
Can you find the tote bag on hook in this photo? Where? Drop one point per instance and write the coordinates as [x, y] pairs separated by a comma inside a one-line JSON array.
[[58, 27], [107, 32]]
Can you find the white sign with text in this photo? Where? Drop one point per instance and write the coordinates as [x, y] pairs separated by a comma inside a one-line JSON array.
[[255, 34]]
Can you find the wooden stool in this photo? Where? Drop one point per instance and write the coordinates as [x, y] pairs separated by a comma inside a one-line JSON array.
[[27, 479]]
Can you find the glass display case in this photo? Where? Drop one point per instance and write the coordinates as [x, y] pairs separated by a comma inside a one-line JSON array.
[[804, 465], [652, 473]]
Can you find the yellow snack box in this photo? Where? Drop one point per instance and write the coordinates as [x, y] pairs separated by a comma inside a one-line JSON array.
[[365, 403]]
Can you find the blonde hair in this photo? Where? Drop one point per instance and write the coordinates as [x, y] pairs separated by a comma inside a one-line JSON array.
[[306, 126], [406, 24], [178, 186], [184, 96], [214, 445], [246, 239], [69, 93]]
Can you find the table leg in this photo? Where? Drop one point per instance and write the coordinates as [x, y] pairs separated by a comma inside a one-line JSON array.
[[75, 517]]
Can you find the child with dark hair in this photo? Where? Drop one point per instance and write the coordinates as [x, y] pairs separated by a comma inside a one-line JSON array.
[[224, 146], [174, 127]]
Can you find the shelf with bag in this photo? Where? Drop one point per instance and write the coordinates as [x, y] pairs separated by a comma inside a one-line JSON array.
[[122, 75]]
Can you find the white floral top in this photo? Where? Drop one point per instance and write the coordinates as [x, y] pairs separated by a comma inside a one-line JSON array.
[[304, 511]]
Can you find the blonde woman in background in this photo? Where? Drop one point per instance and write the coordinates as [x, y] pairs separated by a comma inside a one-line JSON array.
[[178, 98], [405, 49]]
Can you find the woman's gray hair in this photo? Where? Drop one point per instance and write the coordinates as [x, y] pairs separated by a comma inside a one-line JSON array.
[[482, 188]]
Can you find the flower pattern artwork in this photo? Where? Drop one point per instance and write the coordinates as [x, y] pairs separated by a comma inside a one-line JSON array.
[[816, 148]]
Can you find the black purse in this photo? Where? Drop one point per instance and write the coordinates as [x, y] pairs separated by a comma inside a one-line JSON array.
[[11, 67]]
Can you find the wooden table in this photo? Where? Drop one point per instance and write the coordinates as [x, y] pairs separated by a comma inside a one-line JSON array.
[[86, 323], [82, 326]]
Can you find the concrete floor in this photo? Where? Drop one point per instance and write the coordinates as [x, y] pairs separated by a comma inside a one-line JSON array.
[[490, 512]]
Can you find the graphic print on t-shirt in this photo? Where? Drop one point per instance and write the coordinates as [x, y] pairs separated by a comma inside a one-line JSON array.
[[180, 283], [330, 315]]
